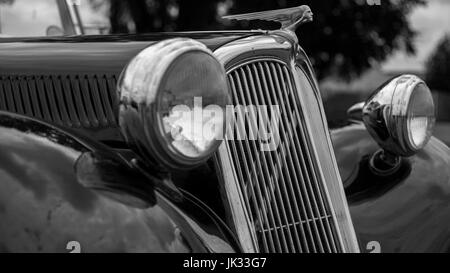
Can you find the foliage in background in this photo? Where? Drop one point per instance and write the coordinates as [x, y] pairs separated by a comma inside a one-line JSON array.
[[143, 16], [438, 67], [346, 37]]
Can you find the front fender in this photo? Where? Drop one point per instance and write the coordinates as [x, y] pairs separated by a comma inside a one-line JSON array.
[[45, 208], [405, 212]]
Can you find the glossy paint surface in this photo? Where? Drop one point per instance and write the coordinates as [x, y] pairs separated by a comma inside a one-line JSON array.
[[85, 55], [408, 211], [44, 206]]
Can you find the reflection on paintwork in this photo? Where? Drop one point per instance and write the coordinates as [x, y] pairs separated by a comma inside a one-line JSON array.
[[414, 215], [92, 55], [44, 207], [214, 243]]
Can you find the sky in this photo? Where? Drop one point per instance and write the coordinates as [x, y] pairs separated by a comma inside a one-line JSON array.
[[33, 17], [431, 22], [28, 18]]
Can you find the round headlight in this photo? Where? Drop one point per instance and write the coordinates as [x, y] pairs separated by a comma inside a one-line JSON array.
[[400, 115], [420, 116], [173, 99]]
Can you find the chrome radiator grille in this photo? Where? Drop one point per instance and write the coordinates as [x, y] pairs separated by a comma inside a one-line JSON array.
[[282, 189]]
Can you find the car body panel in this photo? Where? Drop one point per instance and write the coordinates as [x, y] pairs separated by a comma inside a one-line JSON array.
[[80, 65], [44, 206], [85, 55], [408, 211]]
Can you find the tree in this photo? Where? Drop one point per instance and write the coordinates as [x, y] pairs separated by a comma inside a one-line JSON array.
[[163, 15], [438, 67], [346, 38], [139, 16]]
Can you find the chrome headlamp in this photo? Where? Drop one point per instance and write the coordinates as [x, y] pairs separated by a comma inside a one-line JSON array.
[[173, 99], [400, 115]]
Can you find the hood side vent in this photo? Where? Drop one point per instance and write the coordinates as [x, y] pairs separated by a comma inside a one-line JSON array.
[[89, 103]]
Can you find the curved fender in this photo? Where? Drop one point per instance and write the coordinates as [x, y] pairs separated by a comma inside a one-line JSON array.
[[44, 208], [406, 212]]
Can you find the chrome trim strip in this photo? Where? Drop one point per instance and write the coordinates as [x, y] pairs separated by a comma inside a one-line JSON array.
[[238, 210], [313, 149], [344, 221]]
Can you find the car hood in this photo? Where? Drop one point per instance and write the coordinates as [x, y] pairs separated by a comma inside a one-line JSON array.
[[90, 54]]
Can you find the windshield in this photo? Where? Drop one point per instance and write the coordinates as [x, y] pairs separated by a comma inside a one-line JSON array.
[[28, 18]]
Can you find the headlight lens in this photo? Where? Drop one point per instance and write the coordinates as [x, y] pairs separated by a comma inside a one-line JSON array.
[[173, 99], [421, 116], [191, 106]]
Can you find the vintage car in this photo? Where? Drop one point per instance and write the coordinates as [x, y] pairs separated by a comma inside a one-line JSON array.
[[95, 159]]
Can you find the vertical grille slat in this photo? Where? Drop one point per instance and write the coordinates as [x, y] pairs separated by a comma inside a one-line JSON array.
[[295, 201], [267, 212], [106, 100], [276, 200], [41, 90], [54, 109], [233, 152], [87, 102], [282, 189], [3, 106], [71, 101], [283, 91], [98, 107], [318, 190], [112, 91], [77, 95], [269, 87], [289, 114], [313, 196], [25, 96], [289, 179], [61, 102], [17, 96], [269, 72], [34, 98], [285, 176], [11, 106], [257, 200]]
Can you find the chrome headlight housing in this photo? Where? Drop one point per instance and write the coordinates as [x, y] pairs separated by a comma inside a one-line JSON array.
[[400, 115], [173, 98]]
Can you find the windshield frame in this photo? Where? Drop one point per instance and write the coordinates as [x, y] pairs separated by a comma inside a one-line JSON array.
[[66, 19], [70, 26]]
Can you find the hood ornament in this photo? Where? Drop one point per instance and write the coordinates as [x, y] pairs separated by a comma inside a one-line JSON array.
[[289, 18]]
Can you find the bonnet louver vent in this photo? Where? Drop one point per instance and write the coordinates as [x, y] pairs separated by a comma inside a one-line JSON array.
[[88, 102]]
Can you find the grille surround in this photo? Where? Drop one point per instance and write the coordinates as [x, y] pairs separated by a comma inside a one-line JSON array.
[[316, 233]]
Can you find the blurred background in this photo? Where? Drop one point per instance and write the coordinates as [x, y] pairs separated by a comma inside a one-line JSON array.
[[354, 45]]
